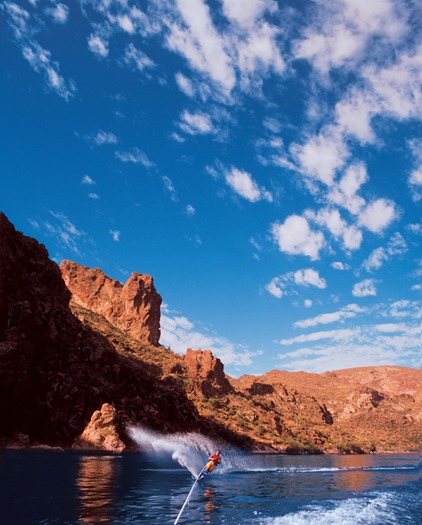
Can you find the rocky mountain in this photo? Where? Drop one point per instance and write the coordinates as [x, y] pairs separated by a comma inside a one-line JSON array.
[[80, 360]]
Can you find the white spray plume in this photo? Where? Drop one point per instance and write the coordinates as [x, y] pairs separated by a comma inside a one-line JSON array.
[[190, 450]]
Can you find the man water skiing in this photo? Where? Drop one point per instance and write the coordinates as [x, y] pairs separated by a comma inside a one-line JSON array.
[[213, 461]]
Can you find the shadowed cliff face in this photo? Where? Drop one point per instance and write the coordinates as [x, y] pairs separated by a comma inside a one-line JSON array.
[[54, 370]]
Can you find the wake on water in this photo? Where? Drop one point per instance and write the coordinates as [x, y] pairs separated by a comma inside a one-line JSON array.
[[190, 450]]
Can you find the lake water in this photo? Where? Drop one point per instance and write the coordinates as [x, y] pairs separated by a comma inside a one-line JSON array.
[[47, 487]]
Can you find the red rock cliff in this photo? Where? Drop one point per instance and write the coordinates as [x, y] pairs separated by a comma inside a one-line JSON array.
[[206, 373], [133, 307]]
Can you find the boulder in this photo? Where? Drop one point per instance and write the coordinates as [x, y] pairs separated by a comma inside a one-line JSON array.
[[101, 432]]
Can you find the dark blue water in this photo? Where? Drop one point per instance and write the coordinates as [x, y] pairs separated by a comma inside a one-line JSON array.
[[40, 487]]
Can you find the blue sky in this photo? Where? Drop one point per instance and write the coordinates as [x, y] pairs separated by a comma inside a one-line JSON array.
[[262, 160]]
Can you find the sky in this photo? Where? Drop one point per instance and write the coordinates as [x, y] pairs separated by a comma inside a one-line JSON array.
[[262, 160]]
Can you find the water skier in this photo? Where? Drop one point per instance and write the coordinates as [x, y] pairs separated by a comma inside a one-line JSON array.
[[213, 461]]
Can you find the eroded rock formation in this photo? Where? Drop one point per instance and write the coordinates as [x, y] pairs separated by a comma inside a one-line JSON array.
[[101, 432], [206, 373], [133, 307]]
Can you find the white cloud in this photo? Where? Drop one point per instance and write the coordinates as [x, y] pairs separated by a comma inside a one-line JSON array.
[[347, 312], [136, 59], [395, 246], [115, 234], [59, 13], [179, 333], [295, 237], [390, 327], [364, 288], [309, 277], [330, 218], [24, 29], [344, 193], [342, 334], [397, 85], [168, 183], [275, 287], [196, 123], [93, 196], [307, 303], [337, 265], [135, 156], [341, 34], [403, 308], [64, 231], [415, 177], [321, 156], [185, 85], [126, 24], [280, 285], [195, 37], [365, 345], [415, 228], [242, 183], [354, 113], [378, 215], [103, 137], [98, 46], [246, 14], [41, 62], [190, 210], [87, 180]]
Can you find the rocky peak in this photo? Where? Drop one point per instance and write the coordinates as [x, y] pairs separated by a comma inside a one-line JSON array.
[[206, 373], [133, 307]]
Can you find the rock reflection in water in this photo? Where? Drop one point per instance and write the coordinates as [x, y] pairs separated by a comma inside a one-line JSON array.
[[96, 483]]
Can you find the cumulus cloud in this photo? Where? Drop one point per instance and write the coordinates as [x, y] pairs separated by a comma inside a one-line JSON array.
[[115, 234], [243, 184], [87, 180], [136, 59], [295, 237], [98, 46], [345, 192], [347, 312], [395, 246], [179, 334], [190, 210], [331, 219], [364, 288], [24, 29], [378, 215], [321, 156], [337, 265], [340, 34], [196, 123], [185, 85], [309, 277], [317, 336], [59, 13], [168, 184], [102, 137], [280, 285], [135, 156], [193, 34]]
